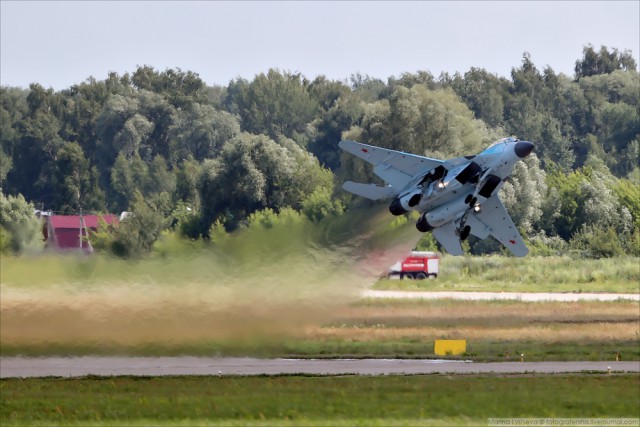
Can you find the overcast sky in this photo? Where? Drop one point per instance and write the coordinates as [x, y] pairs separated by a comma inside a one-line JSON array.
[[58, 44]]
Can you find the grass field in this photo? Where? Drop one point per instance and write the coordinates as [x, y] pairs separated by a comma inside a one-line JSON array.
[[309, 400], [495, 331], [529, 274], [275, 292]]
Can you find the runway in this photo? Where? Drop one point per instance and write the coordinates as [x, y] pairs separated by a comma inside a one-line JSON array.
[[163, 366], [489, 296]]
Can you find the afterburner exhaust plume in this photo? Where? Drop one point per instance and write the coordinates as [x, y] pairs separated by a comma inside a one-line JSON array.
[[249, 288]]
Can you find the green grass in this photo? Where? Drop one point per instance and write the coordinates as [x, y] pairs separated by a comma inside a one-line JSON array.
[[528, 274], [479, 351], [386, 328], [309, 400], [404, 348]]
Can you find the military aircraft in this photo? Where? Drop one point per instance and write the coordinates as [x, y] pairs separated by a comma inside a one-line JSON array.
[[455, 197]]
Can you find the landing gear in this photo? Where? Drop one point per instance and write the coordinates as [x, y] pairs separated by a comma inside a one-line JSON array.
[[470, 200], [465, 233], [463, 228]]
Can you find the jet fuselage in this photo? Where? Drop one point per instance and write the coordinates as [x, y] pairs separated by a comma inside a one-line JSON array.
[[455, 197], [448, 194]]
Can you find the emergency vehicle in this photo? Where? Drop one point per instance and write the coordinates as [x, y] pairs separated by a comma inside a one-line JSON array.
[[418, 265]]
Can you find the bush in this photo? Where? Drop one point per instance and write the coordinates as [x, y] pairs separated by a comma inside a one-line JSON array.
[[5, 241], [267, 218], [22, 228], [597, 242], [187, 221], [320, 205], [136, 233]]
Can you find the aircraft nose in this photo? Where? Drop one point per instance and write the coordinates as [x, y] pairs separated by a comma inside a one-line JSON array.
[[523, 148]]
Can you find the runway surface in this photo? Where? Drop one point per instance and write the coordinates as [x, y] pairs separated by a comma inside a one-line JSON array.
[[489, 296], [158, 366]]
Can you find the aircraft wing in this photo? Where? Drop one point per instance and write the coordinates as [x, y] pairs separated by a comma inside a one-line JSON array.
[[448, 238], [395, 167], [494, 220]]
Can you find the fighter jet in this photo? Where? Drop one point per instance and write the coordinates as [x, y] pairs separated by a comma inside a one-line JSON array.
[[455, 197]]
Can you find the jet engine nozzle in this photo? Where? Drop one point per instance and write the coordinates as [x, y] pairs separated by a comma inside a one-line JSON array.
[[406, 203], [523, 148], [396, 207]]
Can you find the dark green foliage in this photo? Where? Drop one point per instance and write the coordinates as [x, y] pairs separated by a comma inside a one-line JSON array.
[[598, 242], [603, 61], [346, 112], [484, 93], [254, 173], [20, 229], [173, 139], [274, 104], [181, 88], [135, 235], [75, 184]]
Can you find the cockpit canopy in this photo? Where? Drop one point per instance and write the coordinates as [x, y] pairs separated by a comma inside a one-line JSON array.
[[499, 146]]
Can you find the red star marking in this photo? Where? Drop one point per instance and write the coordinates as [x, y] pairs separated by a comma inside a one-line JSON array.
[[513, 242], [364, 150]]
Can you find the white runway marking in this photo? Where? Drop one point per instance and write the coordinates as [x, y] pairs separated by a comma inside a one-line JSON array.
[[490, 296]]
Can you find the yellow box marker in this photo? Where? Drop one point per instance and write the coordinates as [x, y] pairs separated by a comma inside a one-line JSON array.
[[449, 347]]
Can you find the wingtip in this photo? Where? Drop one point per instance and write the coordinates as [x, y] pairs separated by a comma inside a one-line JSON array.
[[521, 253]]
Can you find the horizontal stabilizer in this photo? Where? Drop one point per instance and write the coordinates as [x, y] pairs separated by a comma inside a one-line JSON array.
[[370, 191]]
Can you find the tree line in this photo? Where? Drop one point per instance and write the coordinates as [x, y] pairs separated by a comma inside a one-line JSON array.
[[182, 155]]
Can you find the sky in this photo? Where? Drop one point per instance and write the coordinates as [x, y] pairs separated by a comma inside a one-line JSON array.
[[58, 44]]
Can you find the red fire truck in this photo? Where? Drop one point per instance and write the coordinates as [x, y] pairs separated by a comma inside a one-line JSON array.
[[418, 265]]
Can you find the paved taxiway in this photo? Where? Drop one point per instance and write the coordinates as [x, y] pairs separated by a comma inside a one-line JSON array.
[[489, 296], [154, 366]]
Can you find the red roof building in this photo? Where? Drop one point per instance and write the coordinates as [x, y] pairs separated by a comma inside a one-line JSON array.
[[71, 231]]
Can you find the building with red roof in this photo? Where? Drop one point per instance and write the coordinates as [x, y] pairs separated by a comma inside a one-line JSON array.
[[71, 231]]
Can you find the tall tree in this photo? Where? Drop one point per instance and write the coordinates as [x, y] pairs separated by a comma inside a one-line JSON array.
[[603, 61], [273, 104], [262, 173], [484, 93], [201, 132], [75, 183]]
